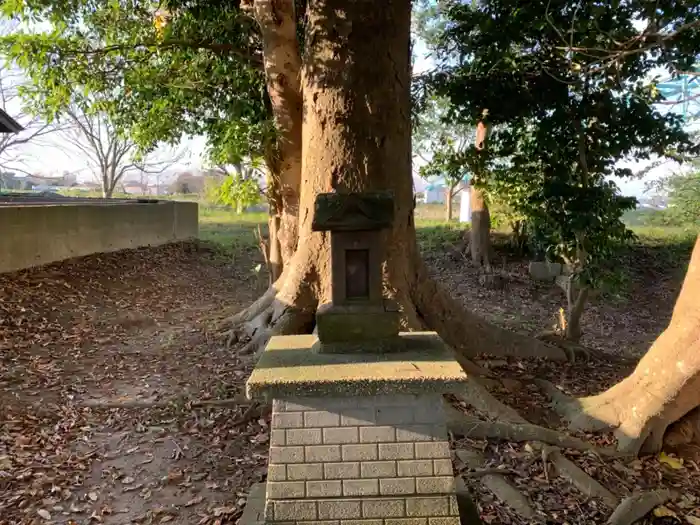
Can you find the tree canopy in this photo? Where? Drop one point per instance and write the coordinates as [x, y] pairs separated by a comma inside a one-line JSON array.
[[161, 71]]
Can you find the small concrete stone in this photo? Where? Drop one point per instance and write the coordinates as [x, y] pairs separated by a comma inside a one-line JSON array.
[[397, 450], [442, 467], [444, 521], [278, 438], [324, 489], [378, 469], [304, 436], [385, 434], [340, 435], [429, 507], [544, 270], [384, 508], [321, 419], [417, 467], [339, 509], [437, 485], [359, 452], [322, 453], [360, 487], [286, 455], [415, 433], [436, 450], [288, 420], [305, 471], [277, 473], [341, 470], [294, 510], [361, 522], [358, 417], [397, 486], [407, 521], [285, 489]]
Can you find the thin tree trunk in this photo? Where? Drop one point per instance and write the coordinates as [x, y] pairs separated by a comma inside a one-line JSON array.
[[480, 241], [573, 324], [448, 205], [282, 64]]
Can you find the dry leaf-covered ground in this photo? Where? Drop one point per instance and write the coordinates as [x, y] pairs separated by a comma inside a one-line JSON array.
[[101, 357]]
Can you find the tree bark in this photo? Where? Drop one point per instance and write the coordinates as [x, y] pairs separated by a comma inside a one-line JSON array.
[[357, 137], [664, 387], [480, 241], [282, 65], [448, 205]]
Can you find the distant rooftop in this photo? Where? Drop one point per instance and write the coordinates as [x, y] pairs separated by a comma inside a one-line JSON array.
[[8, 124]]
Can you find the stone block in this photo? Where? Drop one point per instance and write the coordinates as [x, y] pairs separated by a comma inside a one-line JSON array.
[[385, 434], [278, 438], [444, 521], [378, 469], [442, 467], [277, 473], [360, 487], [294, 510], [357, 417], [359, 452], [337, 324], [285, 489], [324, 489], [321, 419], [428, 507], [415, 433], [361, 522], [304, 436], [339, 509], [417, 467], [286, 455], [340, 435], [397, 451], [322, 453], [397, 486], [383, 508], [347, 470], [435, 450], [305, 471], [435, 485], [544, 270], [287, 420]]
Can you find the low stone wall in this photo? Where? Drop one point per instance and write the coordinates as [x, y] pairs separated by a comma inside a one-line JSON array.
[[36, 234]]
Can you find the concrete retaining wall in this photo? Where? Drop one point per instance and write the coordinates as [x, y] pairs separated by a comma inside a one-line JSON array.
[[32, 235]]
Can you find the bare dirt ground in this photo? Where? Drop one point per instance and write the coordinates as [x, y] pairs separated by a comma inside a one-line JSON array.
[[102, 358]]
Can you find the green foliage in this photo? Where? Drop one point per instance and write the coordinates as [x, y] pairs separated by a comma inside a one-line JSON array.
[[566, 89], [683, 199], [238, 192], [161, 69]]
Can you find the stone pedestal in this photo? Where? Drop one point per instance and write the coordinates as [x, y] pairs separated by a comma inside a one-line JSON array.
[[358, 439]]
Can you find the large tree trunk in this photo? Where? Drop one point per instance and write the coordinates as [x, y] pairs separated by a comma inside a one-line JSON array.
[[357, 137], [664, 386], [480, 241], [282, 64]]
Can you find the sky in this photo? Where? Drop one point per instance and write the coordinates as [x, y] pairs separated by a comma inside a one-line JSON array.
[[52, 155]]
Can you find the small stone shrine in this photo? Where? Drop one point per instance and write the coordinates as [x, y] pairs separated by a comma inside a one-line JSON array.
[[358, 433]]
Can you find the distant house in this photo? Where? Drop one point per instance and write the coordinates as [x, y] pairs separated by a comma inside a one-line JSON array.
[[8, 124]]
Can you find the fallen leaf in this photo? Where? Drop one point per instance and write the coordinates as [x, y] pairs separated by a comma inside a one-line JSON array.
[[692, 520], [194, 501], [92, 496], [127, 480], [44, 514], [672, 462], [662, 511]]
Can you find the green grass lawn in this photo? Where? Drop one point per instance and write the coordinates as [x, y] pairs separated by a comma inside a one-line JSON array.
[[237, 232]]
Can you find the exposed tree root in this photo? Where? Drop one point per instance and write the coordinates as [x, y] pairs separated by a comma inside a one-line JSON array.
[[577, 477], [499, 485], [572, 349], [476, 395], [637, 506], [234, 401], [472, 427]]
